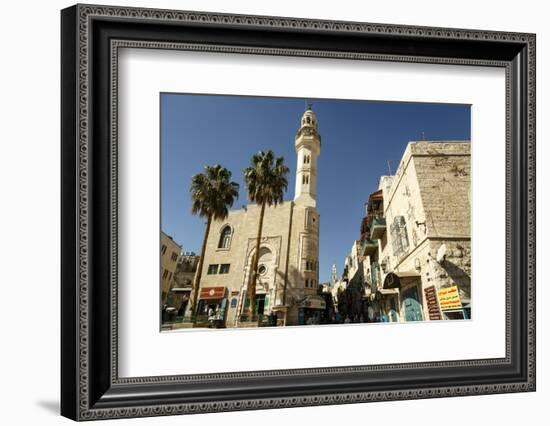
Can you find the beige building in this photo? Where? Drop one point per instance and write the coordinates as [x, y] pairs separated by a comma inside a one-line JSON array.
[[289, 251], [416, 236], [170, 252], [182, 282]]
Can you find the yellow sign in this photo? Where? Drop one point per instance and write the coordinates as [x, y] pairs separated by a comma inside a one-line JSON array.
[[449, 298]]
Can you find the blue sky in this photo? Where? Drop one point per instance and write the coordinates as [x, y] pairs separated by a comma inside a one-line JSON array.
[[359, 138]]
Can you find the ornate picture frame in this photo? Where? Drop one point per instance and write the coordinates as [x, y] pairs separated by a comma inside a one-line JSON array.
[[90, 39]]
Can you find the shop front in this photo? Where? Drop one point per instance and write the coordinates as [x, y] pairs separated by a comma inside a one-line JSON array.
[[385, 306], [182, 296], [310, 310], [408, 284], [212, 306]]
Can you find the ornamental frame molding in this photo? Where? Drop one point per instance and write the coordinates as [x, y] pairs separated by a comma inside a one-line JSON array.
[[86, 13]]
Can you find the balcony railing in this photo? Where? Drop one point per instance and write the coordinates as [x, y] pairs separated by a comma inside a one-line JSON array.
[[377, 227], [369, 247]]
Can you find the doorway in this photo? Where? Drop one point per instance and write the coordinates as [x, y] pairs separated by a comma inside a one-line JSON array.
[[260, 304], [412, 305]]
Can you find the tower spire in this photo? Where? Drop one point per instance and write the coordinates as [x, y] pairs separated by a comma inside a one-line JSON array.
[[333, 275], [308, 148]]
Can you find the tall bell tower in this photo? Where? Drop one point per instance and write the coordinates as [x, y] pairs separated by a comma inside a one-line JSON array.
[[308, 148]]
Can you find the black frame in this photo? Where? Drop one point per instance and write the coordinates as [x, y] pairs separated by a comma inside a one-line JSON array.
[[90, 387]]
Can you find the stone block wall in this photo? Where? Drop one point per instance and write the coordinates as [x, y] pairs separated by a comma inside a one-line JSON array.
[[444, 175]]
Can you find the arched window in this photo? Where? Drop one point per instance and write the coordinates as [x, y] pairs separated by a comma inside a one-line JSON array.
[[225, 237]]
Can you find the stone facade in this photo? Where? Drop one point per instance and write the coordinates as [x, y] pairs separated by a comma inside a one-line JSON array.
[[426, 245], [170, 253], [182, 282], [185, 270], [289, 250]]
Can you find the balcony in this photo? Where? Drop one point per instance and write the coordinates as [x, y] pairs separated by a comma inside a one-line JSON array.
[[377, 227], [369, 247]]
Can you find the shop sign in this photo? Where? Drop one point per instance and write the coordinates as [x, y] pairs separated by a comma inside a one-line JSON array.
[[431, 301], [212, 293], [449, 298]]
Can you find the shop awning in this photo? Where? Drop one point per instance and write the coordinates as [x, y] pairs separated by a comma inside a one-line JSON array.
[[388, 291], [280, 308], [313, 302], [212, 293], [398, 279], [181, 289]]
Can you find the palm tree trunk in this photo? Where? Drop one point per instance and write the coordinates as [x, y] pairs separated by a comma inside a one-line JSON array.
[[254, 271], [198, 275]]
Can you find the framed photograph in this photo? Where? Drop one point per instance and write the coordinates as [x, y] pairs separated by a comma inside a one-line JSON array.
[[263, 212]]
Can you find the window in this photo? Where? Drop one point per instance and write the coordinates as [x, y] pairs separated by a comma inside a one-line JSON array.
[[212, 269], [163, 249], [224, 268], [307, 282], [225, 237], [165, 274], [262, 269], [375, 274], [174, 256], [399, 237], [170, 276]]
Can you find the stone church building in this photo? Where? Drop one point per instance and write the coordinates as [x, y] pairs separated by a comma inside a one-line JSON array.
[[289, 251]]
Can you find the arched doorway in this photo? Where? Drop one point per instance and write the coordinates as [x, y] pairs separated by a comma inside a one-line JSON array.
[[265, 283], [408, 285]]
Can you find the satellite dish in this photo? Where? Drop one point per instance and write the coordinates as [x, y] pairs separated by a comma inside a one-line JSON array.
[[441, 253]]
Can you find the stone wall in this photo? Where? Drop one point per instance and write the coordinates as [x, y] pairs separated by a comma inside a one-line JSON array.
[[443, 173], [167, 264]]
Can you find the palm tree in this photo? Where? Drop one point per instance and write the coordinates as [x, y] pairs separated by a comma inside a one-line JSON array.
[[266, 182], [212, 193]]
